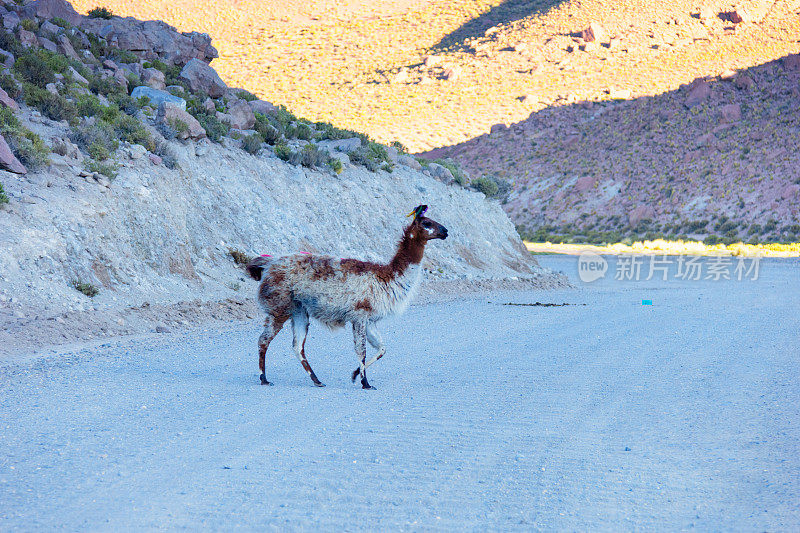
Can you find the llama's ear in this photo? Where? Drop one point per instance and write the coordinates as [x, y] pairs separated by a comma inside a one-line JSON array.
[[418, 211]]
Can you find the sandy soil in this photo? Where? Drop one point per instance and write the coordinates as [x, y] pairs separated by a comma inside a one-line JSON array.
[[604, 414]]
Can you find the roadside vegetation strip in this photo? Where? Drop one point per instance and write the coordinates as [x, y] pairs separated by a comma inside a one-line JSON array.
[[680, 247]]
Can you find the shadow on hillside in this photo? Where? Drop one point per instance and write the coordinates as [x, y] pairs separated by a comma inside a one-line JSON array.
[[509, 11], [711, 157]]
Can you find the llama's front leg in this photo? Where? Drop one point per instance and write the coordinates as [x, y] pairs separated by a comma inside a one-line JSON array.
[[272, 325], [374, 338], [360, 340], [300, 329]]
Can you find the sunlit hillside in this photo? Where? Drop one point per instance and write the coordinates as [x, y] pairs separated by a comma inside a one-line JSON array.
[[362, 64]]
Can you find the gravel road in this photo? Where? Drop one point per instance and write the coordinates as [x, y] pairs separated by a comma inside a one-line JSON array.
[[604, 414]]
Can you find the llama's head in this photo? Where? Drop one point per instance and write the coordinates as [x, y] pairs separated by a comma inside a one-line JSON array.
[[428, 228]]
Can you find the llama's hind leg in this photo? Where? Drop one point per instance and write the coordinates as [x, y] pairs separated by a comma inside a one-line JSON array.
[[272, 325], [360, 340], [374, 339], [300, 329]]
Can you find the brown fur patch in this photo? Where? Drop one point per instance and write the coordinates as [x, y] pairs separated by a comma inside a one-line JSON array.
[[364, 305], [359, 268], [322, 269]]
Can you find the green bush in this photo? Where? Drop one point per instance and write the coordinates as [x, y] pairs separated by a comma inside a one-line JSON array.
[[455, 170], [53, 106], [171, 72], [32, 68], [9, 84], [485, 185], [86, 288], [26, 145], [100, 13], [215, 129], [252, 143], [327, 131], [304, 132], [336, 165], [58, 21], [10, 43], [247, 96], [95, 135], [372, 156], [106, 168], [3, 196], [268, 132], [29, 25], [104, 85], [283, 152], [122, 56], [309, 156], [88, 105]]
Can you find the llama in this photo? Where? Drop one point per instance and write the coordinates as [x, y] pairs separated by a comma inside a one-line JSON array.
[[338, 291]]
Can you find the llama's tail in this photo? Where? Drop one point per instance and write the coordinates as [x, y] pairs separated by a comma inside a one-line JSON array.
[[255, 268]]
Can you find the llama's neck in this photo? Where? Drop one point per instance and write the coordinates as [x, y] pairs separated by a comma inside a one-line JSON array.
[[409, 251]]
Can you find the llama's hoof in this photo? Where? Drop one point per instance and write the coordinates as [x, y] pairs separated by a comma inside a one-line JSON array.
[[319, 384], [366, 386], [264, 380], [355, 375]]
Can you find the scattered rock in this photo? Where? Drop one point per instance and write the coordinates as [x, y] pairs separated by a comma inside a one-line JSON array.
[[452, 73], [441, 173], [154, 78], [48, 45], [201, 77], [791, 62], [409, 161], [7, 58], [8, 161], [162, 329], [744, 82], [171, 114], [790, 191], [26, 38], [341, 145], [155, 159], [64, 147], [241, 116], [260, 106], [594, 32], [136, 151], [699, 92], [208, 105], [49, 9], [10, 21], [157, 97], [7, 101], [76, 76], [731, 113]]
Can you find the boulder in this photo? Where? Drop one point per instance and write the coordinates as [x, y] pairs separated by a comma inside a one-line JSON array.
[[441, 173], [170, 113], [790, 191], [47, 44], [65, 47], [76, 76], [585, 183], [7, 58], [699, 91], [7, 101], [49, 9], [260, 106], [158, 97], [409, 161], [154, 78], [48, 27], [201, 77], [241, 116], [594, 32], [731, 113], [10, 21], [791, 62], [8, 161], [744, 82], [27, 38]]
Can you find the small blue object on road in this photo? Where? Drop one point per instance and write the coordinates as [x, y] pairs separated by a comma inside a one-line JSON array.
[[647, 302]]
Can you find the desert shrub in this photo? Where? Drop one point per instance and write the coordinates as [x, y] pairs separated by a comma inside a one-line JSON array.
[[400, 147], [86, 288], [327, 131], [455, 170], [129, 129], [309, 156], [712, 240], [215, 129], [106, 168], [283, 152], [98, 134], [247, 96], [239, 257], [171, 72], [32, 68], [9, 84], [88, 105], [26, 145], [252, 143], [104, 85], [268, 132], [372, 156], [29, 25], [3, 196], [122, 56], [304, 132], [336, 165], [53, 106], [58, 21], [10, 43], [100, 13], [485, 185]]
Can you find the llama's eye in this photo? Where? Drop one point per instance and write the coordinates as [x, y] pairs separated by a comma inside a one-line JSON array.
[[426, 224]]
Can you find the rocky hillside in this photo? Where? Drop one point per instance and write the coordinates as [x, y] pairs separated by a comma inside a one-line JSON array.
[[134, 178]]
